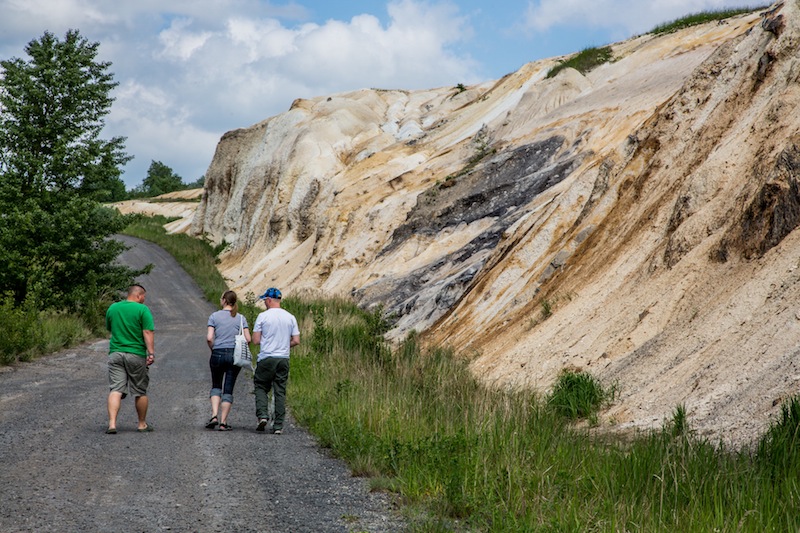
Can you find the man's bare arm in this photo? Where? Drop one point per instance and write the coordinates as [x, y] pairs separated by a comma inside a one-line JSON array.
[[149, 342]]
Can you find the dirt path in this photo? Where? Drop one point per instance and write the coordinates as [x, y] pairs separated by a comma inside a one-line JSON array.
[[60, 472]]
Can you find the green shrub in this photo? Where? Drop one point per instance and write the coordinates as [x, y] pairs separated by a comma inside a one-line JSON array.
[[17, 328], [26, 332], [60, 330], [547, 308], [576, 395], [584, 61], [679, 425]]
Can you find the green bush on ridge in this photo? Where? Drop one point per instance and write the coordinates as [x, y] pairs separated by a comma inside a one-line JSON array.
[[584, 61]]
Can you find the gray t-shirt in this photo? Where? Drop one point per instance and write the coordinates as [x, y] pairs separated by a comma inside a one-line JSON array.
[[225, 327]]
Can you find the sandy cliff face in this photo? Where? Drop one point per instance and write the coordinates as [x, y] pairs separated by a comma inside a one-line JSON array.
[[649, 206]]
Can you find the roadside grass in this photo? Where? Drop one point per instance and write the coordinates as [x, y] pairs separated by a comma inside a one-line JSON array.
[[416, 421], [27, 333], [701, 18], [464, 457]]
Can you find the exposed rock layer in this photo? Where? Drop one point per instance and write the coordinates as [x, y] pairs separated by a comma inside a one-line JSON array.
[[650, 206]]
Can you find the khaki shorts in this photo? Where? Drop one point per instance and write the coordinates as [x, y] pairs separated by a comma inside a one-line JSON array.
[[128, 373]]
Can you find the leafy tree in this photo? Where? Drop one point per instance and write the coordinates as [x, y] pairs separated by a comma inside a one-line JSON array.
[[54, 246], [51, 114], [161, 179], [199, 183]]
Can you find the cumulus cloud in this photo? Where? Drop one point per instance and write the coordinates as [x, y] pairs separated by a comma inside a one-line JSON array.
[[628, 17], [201, 67], [179, 43]]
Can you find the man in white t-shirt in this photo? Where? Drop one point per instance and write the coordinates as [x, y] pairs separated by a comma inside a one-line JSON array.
[[276, 332]]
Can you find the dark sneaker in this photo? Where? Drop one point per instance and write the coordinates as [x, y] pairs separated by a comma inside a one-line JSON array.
[[262, 424], [278, 432]]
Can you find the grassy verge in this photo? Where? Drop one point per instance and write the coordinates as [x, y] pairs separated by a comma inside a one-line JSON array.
[[475, 459], [26, 333], [419, 424]]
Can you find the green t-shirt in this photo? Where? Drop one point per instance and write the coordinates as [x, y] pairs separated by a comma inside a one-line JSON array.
[[126, 320]]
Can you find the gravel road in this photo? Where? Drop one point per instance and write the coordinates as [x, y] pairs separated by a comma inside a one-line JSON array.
[[60, 472]]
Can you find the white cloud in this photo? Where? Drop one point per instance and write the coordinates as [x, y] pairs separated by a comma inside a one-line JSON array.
[[158, 127], [262, 39], [29, 17], [181, 44], [189, 70], [631, 17]]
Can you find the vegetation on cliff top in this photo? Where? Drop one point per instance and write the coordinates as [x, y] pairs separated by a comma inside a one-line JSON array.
[[584, 61], [701, 18], [592, 57]]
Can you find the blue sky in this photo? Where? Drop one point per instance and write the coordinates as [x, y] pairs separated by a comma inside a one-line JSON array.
[[190, 70]]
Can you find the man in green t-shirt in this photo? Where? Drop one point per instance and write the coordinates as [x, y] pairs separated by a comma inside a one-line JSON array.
[[131, 351]]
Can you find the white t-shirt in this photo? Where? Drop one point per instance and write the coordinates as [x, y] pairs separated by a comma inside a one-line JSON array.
[[277, 327]]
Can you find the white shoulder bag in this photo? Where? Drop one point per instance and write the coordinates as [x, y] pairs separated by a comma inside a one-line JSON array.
[[241, 351]]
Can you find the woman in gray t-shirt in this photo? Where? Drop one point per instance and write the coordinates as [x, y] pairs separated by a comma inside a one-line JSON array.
[[223, 326]]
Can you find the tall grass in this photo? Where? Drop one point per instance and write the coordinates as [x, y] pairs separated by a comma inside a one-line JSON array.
[[464, 457], [26, 332], [419, 424], [701, 18], [576, 395]]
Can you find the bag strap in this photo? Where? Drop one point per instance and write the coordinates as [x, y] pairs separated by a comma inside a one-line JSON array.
[[241, 324]]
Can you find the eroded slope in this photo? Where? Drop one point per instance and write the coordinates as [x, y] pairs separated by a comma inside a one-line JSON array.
[[650, 204]]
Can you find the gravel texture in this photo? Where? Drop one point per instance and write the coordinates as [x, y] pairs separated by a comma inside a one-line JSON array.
[[61, 472]]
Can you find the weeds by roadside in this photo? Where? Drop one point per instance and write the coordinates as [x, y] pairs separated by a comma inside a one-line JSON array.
[[26, 332], [418, 424]]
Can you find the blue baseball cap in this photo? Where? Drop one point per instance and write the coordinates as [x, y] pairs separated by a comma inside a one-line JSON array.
[[272, 292]]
